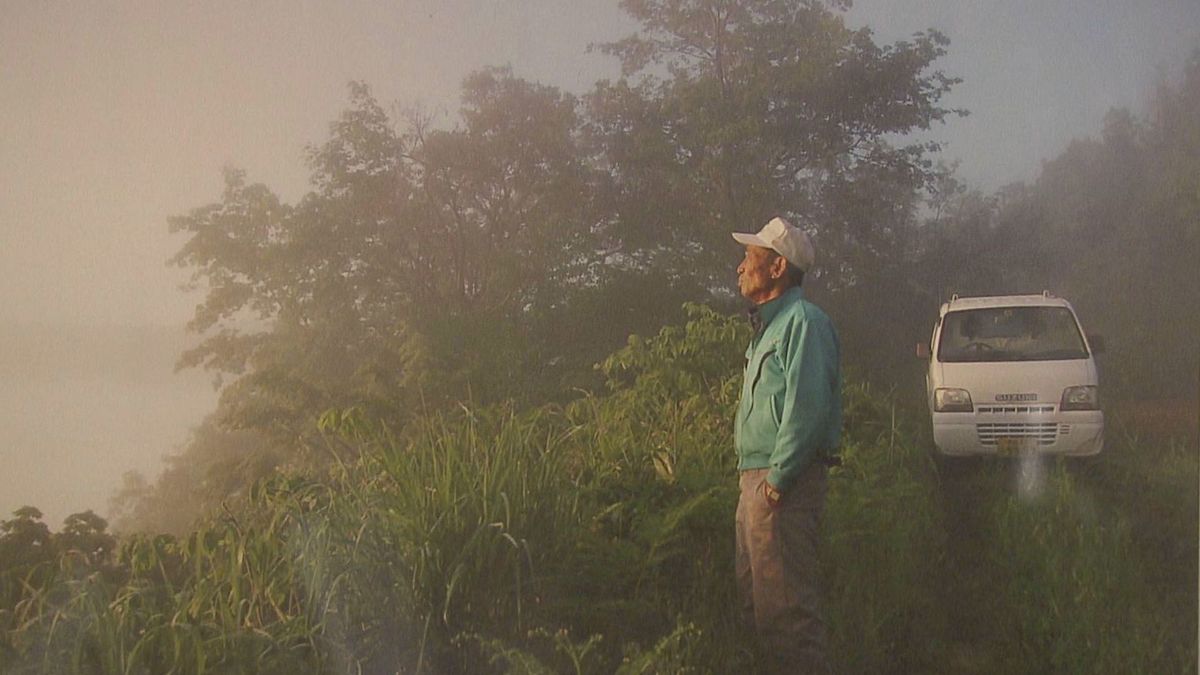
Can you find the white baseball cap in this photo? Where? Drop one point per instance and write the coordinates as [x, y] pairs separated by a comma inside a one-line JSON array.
[[790, 242]]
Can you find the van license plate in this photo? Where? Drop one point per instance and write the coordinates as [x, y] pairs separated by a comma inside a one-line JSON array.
[[1009, 446]]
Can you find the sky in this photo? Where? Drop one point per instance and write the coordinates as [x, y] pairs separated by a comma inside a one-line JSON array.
[[116, 115]]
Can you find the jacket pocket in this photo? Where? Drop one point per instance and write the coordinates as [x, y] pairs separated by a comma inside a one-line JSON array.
[[756, 368]]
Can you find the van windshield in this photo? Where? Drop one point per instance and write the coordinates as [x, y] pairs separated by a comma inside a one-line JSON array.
[[1010, 334]]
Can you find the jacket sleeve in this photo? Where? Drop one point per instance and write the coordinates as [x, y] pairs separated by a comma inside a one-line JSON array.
[[810, 403]]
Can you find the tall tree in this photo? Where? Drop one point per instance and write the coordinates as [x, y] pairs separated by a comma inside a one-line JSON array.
[[413, 251], [731, 111], [503, 231]]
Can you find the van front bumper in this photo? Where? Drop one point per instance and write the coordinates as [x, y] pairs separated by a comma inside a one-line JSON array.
[[1074, 433]]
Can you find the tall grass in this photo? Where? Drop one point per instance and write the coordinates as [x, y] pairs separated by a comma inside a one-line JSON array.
[[1061, 579], [1073, 597], [222, 600], [1152, 482], [598, 538], [458, 527], [885, 538]]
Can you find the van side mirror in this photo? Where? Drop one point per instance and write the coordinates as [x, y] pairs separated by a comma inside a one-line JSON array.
[[1097, 343], [922, 350]]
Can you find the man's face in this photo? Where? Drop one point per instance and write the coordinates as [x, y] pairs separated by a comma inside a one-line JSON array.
[[760, 274]]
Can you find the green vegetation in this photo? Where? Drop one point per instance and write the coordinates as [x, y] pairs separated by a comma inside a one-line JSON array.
[[595, 537], [498, 254]]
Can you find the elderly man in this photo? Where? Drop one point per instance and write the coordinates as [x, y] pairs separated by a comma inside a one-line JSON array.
[[786, 431]]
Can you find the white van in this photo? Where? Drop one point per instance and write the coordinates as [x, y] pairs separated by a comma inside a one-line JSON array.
[[1011, 375]]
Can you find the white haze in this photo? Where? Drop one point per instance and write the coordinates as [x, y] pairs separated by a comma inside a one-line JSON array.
[[116, 115]]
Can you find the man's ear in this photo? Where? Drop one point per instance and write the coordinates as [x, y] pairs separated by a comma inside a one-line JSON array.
[[779, 267]]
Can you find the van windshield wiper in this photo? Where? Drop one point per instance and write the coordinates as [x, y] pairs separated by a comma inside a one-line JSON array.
[[1056, 355], [983, 357]]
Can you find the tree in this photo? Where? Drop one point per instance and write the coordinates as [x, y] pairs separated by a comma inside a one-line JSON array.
[[288, 311], [768, 107], [505, 221], [86, 536], [411, 249], [25, 540]]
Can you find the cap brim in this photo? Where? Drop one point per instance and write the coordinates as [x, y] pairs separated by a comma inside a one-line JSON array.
[[750, 239]]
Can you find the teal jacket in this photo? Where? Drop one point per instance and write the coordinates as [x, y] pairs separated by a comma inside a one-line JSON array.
[[790, 412]]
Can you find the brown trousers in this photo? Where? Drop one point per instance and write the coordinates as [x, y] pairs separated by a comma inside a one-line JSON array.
[[778, 572]]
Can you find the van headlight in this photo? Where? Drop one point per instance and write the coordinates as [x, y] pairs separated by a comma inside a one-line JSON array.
[[952, 400], [1086, 397]]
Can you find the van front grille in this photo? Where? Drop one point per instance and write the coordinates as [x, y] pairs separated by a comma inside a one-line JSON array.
[[1014, 409], [1043, 433]]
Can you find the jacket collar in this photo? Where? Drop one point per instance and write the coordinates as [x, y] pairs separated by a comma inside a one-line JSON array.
[[761, 315]]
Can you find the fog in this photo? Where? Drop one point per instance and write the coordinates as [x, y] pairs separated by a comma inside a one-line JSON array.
[[84, 403], [115, 116]]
